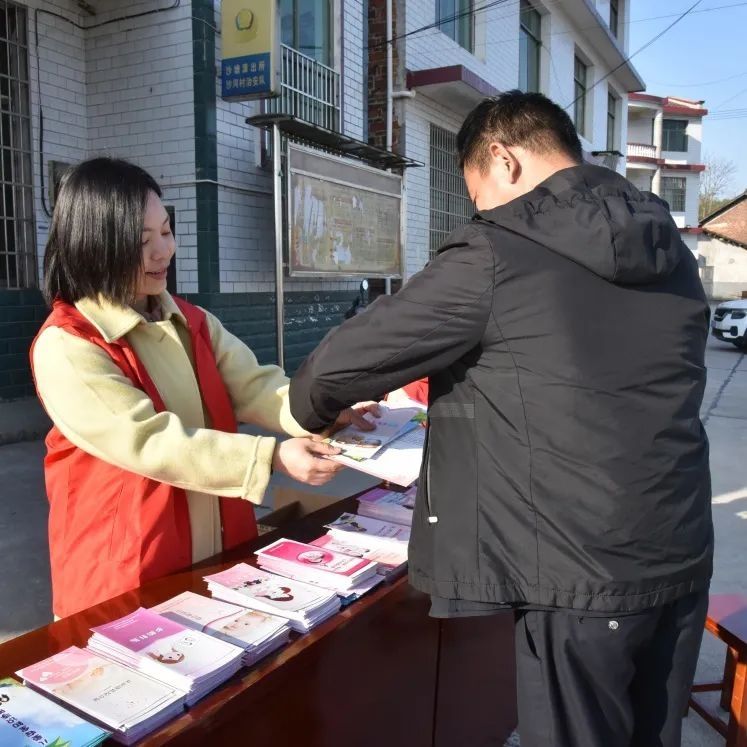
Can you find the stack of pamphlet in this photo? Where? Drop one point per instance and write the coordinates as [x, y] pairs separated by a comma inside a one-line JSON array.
[[302, 605], [393, 452], [349, 577], [154, 645], [114, 697], [362, 537], [370, 531], [27, 718], [258, 633], [388, 505]]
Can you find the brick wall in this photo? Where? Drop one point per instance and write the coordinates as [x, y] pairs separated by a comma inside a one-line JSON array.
[[377, 74]]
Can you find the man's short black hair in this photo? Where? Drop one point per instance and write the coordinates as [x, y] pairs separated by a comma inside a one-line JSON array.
[[528, 120], [95, 240]]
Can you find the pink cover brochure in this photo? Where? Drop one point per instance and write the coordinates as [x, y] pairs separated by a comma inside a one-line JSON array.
[[185, 658], [314, 558]]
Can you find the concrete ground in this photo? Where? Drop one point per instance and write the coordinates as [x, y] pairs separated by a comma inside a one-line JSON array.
[[24, 592]]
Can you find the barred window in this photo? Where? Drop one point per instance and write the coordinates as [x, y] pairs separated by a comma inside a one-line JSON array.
[[17, 242], [673, 191], [450, 203]]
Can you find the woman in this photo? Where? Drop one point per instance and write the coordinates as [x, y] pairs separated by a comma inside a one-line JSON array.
[[144, 391]]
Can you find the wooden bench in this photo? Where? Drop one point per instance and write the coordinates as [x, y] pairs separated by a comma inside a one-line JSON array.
[[727, 620]]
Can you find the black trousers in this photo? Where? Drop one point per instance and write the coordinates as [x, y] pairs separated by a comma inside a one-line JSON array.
[[607, 681]]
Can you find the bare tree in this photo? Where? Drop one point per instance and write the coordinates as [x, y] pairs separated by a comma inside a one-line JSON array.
[[714, 182]]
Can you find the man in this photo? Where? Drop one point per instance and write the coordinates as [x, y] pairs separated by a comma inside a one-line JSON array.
[[566, 468]]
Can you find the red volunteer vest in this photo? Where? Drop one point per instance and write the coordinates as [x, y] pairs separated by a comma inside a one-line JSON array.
[[111, 530]]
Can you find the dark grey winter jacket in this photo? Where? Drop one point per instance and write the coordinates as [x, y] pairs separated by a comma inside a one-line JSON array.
[[564, 336]]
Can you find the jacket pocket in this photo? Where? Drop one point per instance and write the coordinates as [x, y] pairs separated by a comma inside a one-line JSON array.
[[121, 530], [432, 516], [451, 475]]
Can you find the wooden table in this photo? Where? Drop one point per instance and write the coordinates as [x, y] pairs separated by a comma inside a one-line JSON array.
[[727, 620], [381, 672]]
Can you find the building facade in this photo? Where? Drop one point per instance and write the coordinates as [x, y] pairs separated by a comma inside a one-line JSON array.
[[723, 250], [141, 81], [665, 140], [449, 55]]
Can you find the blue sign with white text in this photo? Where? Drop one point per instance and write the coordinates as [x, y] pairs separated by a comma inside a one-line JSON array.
[[246, 76]]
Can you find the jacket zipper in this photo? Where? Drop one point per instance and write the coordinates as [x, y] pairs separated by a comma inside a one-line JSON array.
[[432, 518]]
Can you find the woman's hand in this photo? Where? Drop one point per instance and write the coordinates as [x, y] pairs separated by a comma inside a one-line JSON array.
[[304, 460]]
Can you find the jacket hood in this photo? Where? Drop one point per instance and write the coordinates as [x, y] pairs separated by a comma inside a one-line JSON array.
[[596, 217]]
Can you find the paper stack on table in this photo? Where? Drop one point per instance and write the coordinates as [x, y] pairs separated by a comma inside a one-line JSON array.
[[388, 505], [390, 561], [382, 542], [154, 645], [349, 577], [115, 697], [369, 531], [257, 633], [303, 605], [28, 718]]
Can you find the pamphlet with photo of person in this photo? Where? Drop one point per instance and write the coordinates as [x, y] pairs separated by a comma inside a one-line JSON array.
[[392, 422]]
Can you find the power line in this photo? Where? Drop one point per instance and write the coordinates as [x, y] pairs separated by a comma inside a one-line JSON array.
[[731, 98], [625, 23], [700, 85], [638, 51], [722, 112], [702, 10], [735, 114]]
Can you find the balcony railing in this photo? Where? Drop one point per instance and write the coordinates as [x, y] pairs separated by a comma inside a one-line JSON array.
[[641, 150], [309, 91]]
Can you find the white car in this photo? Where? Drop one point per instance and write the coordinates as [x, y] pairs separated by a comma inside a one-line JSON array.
[[730, 323]]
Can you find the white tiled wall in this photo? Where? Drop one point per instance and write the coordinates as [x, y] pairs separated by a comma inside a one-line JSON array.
[[354, 87], [122, 89], [61, 74], [694, 142], [640, 178], [420, 113], [496, 60], [562, 39], [141, 107], [496, 43], [692, 186], [640, 130]]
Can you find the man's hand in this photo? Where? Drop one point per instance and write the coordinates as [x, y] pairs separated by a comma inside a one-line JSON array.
[[303, 460], [355, 416]]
